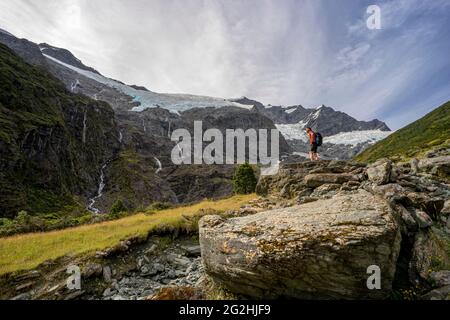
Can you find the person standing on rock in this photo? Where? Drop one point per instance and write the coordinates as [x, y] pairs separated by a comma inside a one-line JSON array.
[[313, 155]]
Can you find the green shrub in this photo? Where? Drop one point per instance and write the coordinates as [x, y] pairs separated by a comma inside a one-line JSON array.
[[23, 218], [158, 206], [5, 222], [117, 208], [244, 179]]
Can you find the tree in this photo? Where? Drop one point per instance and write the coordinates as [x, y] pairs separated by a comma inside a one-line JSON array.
[[244, 179], [23, 217], [117, 208]]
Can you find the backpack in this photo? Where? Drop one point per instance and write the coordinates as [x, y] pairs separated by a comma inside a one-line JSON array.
[[319, 139]]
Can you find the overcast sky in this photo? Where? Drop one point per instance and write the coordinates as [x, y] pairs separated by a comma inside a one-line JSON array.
[[279, 52]]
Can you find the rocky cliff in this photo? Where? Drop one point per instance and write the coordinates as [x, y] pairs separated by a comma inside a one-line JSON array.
[[52, 143]]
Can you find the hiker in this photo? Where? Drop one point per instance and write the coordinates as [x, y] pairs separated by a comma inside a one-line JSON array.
[[313, 137]]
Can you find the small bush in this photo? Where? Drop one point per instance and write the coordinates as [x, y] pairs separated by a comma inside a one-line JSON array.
[[117, 208], [244, 179], [5, 222], [23, 218], [158, 206]]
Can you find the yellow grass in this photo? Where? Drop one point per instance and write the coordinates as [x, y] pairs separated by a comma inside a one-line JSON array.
[[24, 252]]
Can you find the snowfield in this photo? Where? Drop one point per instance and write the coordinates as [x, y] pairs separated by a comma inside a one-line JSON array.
[[173, 102], [289, 111], [296, 131], [354, 138]]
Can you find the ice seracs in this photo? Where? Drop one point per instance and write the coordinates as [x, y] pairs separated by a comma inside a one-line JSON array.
[[292, 131], [354, 138]]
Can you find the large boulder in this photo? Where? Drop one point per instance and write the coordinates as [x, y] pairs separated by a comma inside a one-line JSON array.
[[319, 250], [318, 179], [429, 163], [431, 205], [290, 182], [380, 172], [429, 253]]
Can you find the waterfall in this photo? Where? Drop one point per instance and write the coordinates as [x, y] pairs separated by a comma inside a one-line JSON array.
[[159, 165], [101, 186], [84, 125], [74, 85], [120, 136]]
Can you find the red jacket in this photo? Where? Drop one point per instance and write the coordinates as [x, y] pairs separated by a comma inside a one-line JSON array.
[[312, 137]]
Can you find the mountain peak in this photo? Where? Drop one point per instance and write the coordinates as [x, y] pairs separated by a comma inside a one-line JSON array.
[[5, 32], [65, 56]]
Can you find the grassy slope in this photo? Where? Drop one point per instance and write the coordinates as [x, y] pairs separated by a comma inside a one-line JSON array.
[[23, 252], [424, 134]]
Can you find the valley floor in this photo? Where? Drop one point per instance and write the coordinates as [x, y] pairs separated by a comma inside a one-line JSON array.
[[23, 252]]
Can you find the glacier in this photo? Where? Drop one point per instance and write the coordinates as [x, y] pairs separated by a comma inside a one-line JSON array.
[[175, 103], [294, 131], [354, 138]]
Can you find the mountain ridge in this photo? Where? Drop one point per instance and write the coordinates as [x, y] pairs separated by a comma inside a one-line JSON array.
[[430, 131]]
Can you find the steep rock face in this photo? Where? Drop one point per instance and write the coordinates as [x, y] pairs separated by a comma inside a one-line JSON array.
[[52, 143], [319, 250], [284, 115], [232, 118], [27, 50], [324, 119], [330, 122]]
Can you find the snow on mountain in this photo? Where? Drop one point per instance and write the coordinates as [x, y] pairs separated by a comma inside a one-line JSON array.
[[142, 108], [5, 32], [294, 131], [181, 102], [173, 102], [291, 110], [354, 138], [315, 115], [297, 132]]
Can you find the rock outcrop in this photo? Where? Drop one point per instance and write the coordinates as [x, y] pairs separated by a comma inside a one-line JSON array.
[[319, 250], [396, 215], [380, 172]]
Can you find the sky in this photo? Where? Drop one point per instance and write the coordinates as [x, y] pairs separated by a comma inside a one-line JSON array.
[[279, 52]]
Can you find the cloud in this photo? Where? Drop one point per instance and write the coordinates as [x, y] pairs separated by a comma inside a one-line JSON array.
[[279, 52]]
